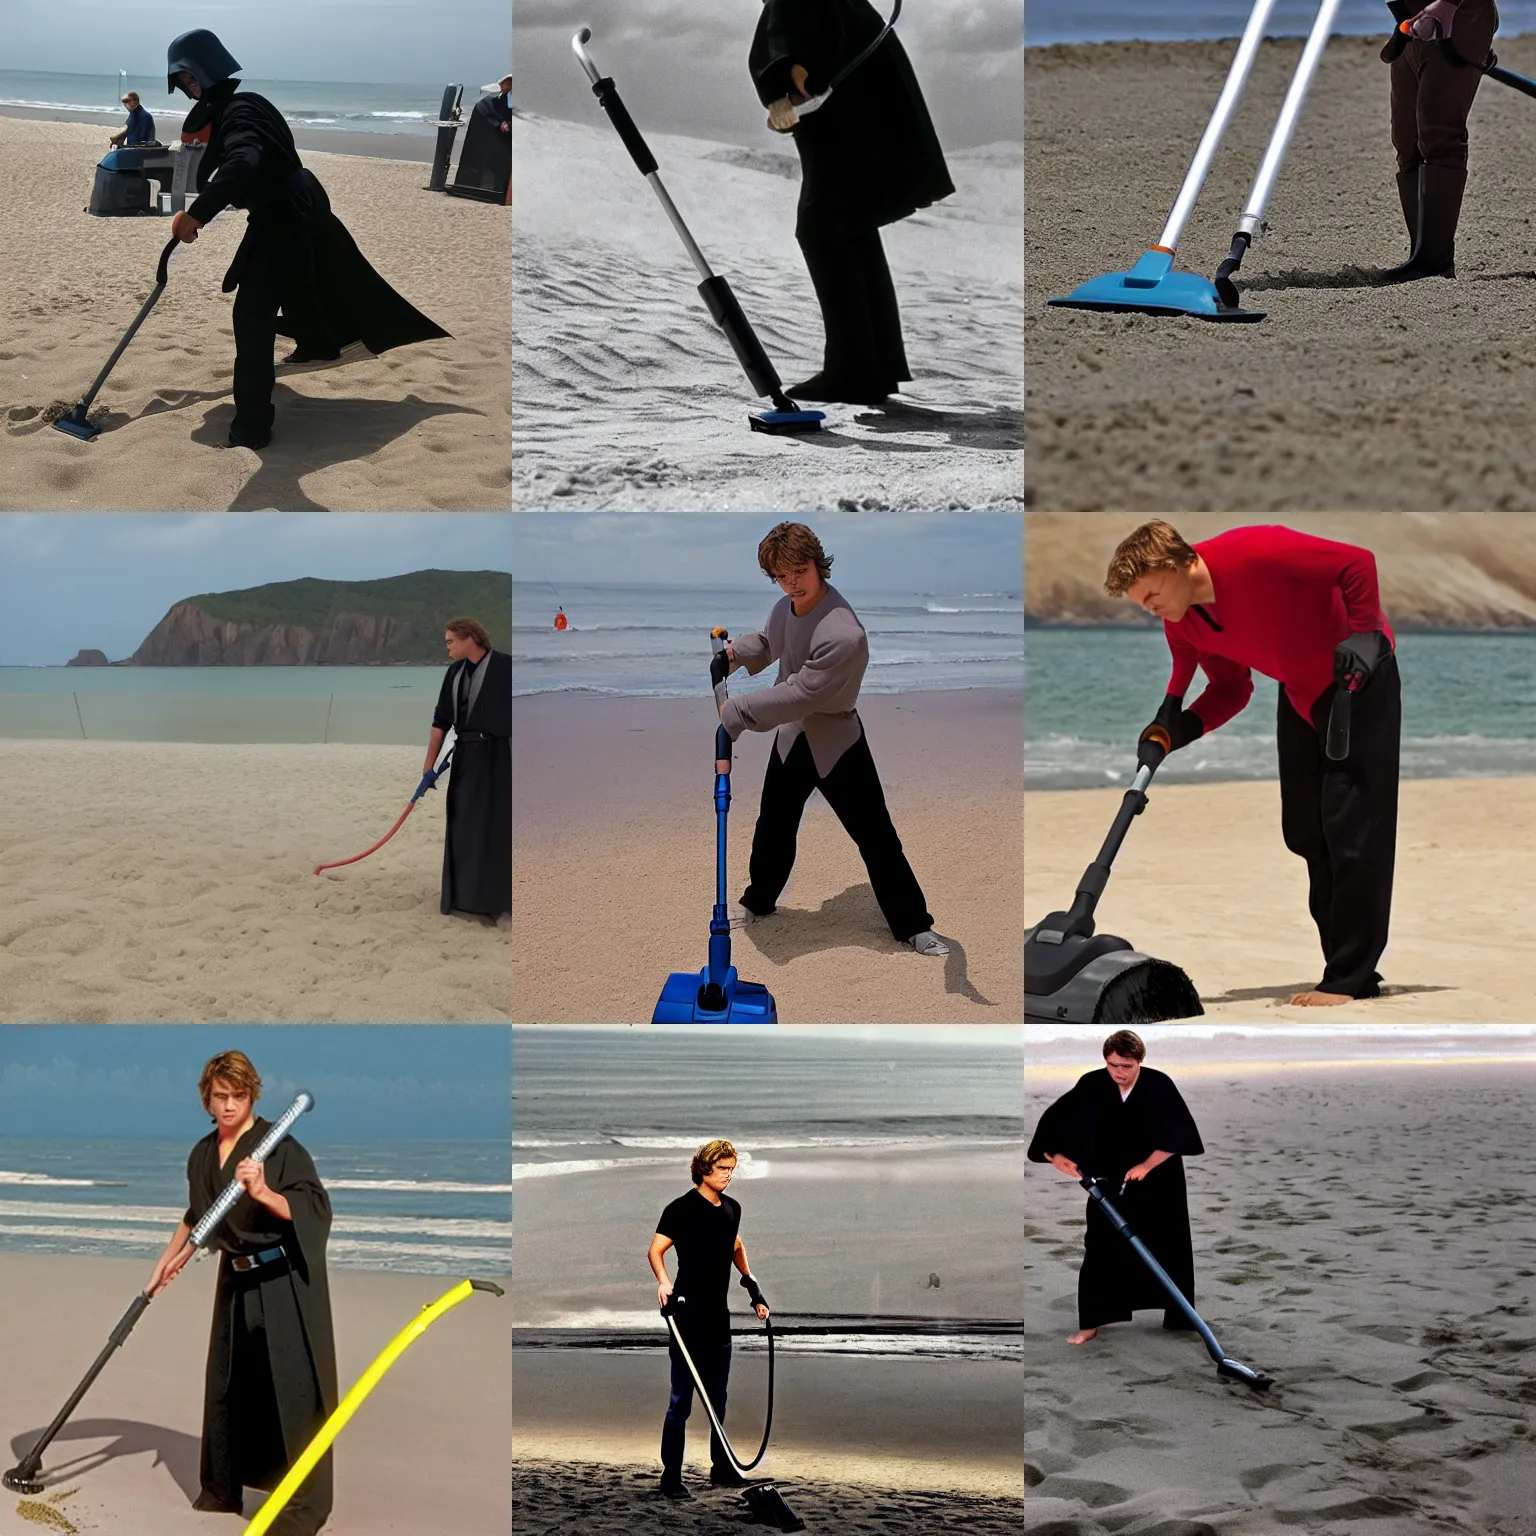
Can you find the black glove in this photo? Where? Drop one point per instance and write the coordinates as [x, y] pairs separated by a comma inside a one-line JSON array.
[[1182, 726], [754, 1290], [1360, 656]]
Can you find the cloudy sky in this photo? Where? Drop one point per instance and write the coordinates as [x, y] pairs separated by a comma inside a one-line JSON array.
[[391, 1082], [379, 40], [681, 65], [105, 581]]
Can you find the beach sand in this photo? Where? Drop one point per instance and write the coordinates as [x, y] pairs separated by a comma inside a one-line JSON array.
[[1362, 1234], [629, 397], [1205, 881], [427, 1452], [613, 863], [424, 427], [1323, 403], [174, 881]]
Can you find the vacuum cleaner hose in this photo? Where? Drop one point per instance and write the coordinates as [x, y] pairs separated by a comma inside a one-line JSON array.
[[669, 1312]]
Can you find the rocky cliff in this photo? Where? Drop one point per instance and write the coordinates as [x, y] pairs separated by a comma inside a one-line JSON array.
[[85, 658], [1438, 570], [189, 637]]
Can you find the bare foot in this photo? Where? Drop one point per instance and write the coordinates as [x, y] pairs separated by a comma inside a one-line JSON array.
[[1320, 999], [1081, 1337]]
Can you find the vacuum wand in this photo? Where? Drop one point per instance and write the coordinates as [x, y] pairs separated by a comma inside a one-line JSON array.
[[23, 1478]]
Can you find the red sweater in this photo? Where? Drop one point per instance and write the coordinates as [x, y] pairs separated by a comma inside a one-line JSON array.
[[1284, 600]]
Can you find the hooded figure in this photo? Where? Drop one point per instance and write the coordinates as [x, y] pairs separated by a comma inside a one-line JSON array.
[[297, 272], [868, 157]]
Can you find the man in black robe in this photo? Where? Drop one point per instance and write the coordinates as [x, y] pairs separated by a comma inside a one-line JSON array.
[[1126, 1125], [869, 156], [298, 272], [476, 703], [271, 1376]]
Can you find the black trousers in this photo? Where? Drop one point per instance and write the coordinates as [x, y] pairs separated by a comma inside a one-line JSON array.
[[853, 791], [712, 1354], [1342, 819], [858, 303]]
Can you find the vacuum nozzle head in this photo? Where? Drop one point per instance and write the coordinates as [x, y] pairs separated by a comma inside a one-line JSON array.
[[584, 35], [1235, 1370], [22, 1480]]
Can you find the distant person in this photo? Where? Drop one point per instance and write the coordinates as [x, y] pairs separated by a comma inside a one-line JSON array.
[[502, 105], [1306, 612], [271, 1376], [1127, 1126], [868, 157], [476, 703], [822, 652], [140, 128], [297, 273], [704, 1226]]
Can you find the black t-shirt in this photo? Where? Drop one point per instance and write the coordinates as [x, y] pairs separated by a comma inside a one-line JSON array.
[[705, 1237]]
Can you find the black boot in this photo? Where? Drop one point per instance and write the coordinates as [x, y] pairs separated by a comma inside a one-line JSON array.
[[1436, 205]]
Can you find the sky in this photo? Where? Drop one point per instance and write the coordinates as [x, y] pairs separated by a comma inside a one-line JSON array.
[[364, 40], [944, 552], [104, 581], [370, 1083], [681, 65]]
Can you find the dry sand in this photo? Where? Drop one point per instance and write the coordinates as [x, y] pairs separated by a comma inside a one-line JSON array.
[[1415, 397], [614, 846], [1205, 881], [426, 1453], [173, 881], [1362, 1233], [629, 397], [424, 427]]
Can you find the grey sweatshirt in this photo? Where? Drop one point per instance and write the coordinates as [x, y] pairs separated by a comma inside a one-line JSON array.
[[821, 660]]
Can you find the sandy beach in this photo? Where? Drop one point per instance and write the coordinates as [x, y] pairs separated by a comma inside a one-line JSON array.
[[629, 397], [1361, 1233], [613, 840], [1320, 405], [127, 1463], [1205, 881], [174, 881], [424, 427]]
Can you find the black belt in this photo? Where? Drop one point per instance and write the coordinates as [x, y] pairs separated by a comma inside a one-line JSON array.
[[248, 1261], [477, 736]]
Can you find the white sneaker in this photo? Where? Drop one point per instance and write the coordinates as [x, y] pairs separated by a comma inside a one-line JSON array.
[[928, 943]]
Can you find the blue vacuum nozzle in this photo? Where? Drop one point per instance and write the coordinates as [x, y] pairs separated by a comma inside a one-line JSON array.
[[75, 424], [1152, 287], [689, 997], [785, 423]]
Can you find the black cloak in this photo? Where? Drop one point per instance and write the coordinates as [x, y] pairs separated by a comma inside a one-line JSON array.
[[271, 1377], [870, 155], [331, 296], [485, 162], [1105, 1137], [477, 851]]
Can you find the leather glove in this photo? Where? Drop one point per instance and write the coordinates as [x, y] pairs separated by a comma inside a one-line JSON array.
[[754, 1290], [1435, 20], [185, 227], [1359, 656], [1181, 725]]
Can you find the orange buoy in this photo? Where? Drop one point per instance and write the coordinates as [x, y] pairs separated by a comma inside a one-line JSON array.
[[560, 620]]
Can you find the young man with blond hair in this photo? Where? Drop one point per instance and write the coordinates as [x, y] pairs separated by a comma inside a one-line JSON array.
[[822, 651], [703, 1225], [1306, 612]]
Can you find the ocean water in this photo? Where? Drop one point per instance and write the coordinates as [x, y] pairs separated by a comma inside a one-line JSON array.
[[424, 1208], [1065, 21], [386, 705], [653, 642], [1469, 710], [390, 107]]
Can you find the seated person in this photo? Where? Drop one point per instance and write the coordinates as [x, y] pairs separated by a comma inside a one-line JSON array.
[[140, 128]]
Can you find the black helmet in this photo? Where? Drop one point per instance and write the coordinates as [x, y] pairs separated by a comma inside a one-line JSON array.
[[202, 55]]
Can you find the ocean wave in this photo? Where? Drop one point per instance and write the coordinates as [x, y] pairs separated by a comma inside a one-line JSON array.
[[7, 1177], [425, 1186]]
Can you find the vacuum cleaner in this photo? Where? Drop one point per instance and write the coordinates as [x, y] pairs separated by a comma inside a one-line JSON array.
[[717, 995], [74, 421], [26, 1477], [1073, 975], [764, 1501], [786, 417], [1233, 1370], [428, 781]]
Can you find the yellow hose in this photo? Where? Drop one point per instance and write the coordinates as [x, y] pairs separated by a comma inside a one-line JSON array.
[[349, 1405]]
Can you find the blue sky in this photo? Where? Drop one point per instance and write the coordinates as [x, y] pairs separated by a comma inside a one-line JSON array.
[[379, 40], [370, 1083], [105, 580]]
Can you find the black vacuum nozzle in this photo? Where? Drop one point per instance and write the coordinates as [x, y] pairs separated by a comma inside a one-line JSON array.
[[768, 1507], [23, 1479]]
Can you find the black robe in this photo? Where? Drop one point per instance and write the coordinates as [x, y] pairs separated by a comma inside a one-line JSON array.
[[1105, 1137], [271, 1376], [485, 163], [870, 156], [330, 294], [477, 851]]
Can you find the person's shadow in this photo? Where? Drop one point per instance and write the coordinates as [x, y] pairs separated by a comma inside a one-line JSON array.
[[177, 1452], [999, 430], [1285, 994]]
